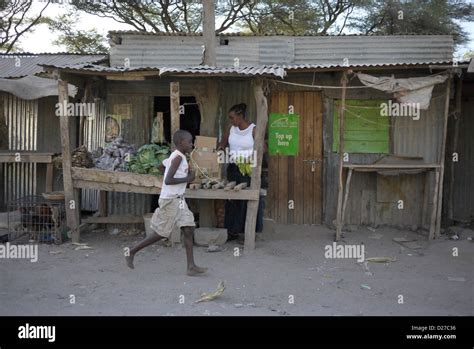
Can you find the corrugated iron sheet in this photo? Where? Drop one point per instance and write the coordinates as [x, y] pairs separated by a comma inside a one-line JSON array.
[[21, 117], [463, 188], [252, 71], [273, 70], [141, 33], [23, 64], [186, 50], [94, 137], [373, 49]]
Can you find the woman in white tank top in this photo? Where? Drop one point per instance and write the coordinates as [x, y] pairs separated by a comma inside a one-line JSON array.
[[239, 138]]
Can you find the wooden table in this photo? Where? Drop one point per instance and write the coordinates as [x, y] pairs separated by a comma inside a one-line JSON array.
[[378, 167], [126, 182]]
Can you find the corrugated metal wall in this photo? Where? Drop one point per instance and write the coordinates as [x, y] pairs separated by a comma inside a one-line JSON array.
[[235, 92], [94, 137], [463, 187], [136, 130], [49, 139], [177, 51], [21, 117], [376, 49]]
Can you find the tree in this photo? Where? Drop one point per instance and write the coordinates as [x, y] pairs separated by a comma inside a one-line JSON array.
[[15, 21], [415, 17], [163, 15], [297, 16], [76, 41], [292, 16]]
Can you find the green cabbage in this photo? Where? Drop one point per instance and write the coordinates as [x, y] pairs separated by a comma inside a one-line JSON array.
[[148, 158]]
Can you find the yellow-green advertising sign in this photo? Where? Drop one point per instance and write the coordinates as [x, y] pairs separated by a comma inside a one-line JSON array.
[[283, 131]]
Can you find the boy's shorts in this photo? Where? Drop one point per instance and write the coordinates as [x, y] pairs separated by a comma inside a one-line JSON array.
[[171, 213]]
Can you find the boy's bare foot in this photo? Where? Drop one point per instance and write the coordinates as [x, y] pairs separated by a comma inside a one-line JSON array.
[[129, 260], [195, 270]]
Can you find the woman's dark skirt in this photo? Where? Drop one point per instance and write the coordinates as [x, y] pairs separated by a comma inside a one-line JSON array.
[[236, 210]]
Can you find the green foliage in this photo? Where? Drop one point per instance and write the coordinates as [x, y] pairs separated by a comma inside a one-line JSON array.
[[76, 41]]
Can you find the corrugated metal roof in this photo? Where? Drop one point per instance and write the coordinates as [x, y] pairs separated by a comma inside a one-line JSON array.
[[252, 71], [136, 32], [206, 70], [99, 68], [23, 64], [296, 67], [179, 50]]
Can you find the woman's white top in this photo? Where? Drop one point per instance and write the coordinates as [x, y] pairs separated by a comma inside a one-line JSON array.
[[175, 190], [241, 141]]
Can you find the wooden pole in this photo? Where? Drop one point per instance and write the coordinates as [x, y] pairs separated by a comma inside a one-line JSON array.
[[49, 177], [346, 195], [252, 206], [174, 103], [341, 156], [441, 159], [455, 147], [70, 195], [209, 32], [433, 211]]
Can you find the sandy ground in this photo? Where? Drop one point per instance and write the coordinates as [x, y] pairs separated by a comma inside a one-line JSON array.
[[286, 275]]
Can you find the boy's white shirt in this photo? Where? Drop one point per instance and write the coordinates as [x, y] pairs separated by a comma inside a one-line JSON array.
[[175, 190]]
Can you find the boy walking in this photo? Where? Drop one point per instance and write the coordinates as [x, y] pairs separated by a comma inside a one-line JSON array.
[[173, 208]]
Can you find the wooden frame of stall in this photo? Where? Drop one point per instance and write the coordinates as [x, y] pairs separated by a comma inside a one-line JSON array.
[[79, 178], [31, 157], [437, 168]]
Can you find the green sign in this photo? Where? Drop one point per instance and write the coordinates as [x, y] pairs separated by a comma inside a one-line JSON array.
[[283, 131]]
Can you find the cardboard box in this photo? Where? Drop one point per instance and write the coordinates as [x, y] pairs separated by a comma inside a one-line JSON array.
[[208, 162], [205, 143], [206, 158]]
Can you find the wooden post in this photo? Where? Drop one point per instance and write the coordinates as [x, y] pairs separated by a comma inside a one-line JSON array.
[[341, 156], [441, 159], [252, 206], [174, 103], [346, 195], [209, 32], [103, 203], [433, 211], [71, 198], [426, 193], [49, 177], [455, 147], [208, 101]]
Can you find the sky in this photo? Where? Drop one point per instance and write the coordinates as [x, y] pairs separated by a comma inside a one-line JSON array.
[[41, 40]]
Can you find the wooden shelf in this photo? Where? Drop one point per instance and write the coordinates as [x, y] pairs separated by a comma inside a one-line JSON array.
[[375, 167], [45, 158]]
